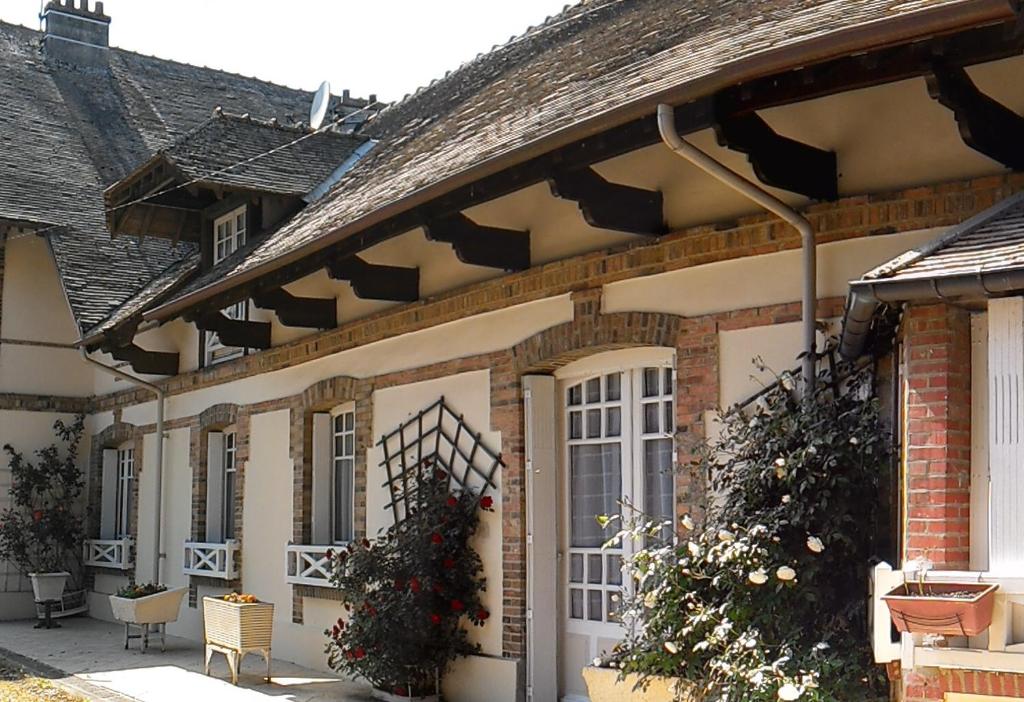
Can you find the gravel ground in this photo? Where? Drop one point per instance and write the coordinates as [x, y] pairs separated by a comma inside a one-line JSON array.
[[18, 686]]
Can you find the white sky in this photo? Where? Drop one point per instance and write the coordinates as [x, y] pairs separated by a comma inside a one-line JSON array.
[[387, 47]]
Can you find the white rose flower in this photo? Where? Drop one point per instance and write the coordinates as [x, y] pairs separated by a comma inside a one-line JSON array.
[[786, 499], [785, 573], [757, 678], [789, 692], [694, 549], [688, 522], [815, 544], [854, 440], [758, 577], [780, 462], [726, 536], [780, 471], [671, 647], [650, 600]]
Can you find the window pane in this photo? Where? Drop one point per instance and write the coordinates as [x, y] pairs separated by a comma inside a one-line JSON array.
[[613, 421], [349, 445], [651, 418], [229, 506], [614, 566], [613, 386], [595, 489], [594, 574], [576, 568], [666, 386], [669, 425], [651, 382], [594, 390], [339, 423], [613, 606], [575, 425], [658, 481], [594, 603], [350, 421], [341, 510], [576, 604], [575, 395], [339, 445], [593, 423]]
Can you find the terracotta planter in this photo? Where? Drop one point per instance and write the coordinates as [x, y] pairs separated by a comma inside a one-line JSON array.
[[603, 685], [47, 587], [934, 613]]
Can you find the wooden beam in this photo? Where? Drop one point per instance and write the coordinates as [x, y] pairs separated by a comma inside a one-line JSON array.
[[608, 205], [235, 332], [779, 161], [147, 362], [507, 249], [375, 282], [294, 311], [986, 125]]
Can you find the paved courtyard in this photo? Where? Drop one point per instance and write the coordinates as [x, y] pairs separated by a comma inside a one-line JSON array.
[[91, 654]]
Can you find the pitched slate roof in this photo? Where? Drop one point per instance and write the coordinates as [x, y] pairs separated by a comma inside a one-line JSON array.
[[242, 152], [67, 132], [597, 61], [992, 242]]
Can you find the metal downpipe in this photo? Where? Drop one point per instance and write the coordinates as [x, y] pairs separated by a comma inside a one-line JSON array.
[[669, 134], [160, 399]]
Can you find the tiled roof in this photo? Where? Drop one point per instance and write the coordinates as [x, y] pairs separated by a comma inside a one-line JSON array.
[[598, 57], [66, 133], [287, 160], [991, 242]]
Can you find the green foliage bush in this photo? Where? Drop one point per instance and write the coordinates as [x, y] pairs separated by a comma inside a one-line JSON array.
[[410, 593], [766, 599]]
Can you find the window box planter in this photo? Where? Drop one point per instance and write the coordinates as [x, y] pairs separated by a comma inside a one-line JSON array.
[[236, 629], [156, 609], [950, 609], [604, 685]]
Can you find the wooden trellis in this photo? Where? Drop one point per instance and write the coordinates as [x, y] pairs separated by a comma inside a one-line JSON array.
[[437, 440]]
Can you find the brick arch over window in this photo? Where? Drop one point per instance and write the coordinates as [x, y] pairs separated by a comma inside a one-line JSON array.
[[324, 396], [114, 436], [215, 418], [590, 332]]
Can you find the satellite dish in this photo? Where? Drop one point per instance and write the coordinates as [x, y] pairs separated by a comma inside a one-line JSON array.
[[318, 110]]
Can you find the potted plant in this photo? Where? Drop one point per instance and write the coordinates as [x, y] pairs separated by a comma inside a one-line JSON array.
[[235, 625], [761, 599], [145, 606], [947, 609], [42, 532], [410, 595]]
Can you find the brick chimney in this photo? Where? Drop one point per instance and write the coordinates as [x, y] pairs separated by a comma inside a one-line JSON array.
[[76, 35]]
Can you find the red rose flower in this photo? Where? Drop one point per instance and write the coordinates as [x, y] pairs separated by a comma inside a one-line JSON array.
[[336, 630], [482, 614], [360, 653], [414, 584], [399, 584], [330, 553], [435, 619], [487, 502], [37, 516], [452, 501], [366, 543], [437, 588], [457, 606], [440, 475], [436, 538], [448, 563]]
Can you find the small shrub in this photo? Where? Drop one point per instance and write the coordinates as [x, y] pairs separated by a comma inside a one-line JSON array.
[[409, 595], [134, 592]]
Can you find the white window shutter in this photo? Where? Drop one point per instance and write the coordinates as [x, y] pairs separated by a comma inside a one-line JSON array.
[[215, 487], [108, 494], [1006, 432], [323, 455], [542, 535]]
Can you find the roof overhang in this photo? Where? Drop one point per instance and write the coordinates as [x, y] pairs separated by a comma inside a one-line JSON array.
[[396, 217]]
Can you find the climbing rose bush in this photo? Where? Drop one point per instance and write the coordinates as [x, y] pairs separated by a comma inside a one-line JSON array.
[[766, 600], [410, 595]]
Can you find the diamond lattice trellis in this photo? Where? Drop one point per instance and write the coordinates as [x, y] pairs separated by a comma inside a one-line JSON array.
[[435, 439]]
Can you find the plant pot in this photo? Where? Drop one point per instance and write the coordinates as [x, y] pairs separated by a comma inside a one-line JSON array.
[[386, 696], [158, 608], [240, 626], [48, 586], [604, 685], [936, 612]]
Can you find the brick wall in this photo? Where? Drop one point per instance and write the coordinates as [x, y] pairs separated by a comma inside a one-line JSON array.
[[937, 434], [929, 685]]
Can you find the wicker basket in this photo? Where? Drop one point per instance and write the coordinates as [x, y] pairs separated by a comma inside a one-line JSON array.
[[238, 626]]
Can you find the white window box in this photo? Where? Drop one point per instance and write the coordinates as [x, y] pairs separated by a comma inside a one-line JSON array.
[[997, 650], [212, 560], [109, 553], [309, 565]]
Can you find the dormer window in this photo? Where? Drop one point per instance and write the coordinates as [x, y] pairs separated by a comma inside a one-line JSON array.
[[229, 233]]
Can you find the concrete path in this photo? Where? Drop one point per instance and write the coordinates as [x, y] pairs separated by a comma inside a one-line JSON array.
[[91, 655]]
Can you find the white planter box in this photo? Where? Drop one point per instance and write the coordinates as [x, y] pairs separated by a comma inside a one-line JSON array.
[[158, 608], [48, 586], [603, 685], [236, 629]]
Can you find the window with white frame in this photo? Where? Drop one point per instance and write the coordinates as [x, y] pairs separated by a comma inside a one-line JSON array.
[[229, 235], [333, 475], [118, 478], [619, 451], [221, 484]]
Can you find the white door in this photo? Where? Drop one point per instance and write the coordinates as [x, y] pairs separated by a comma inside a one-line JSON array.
[[618, 455]]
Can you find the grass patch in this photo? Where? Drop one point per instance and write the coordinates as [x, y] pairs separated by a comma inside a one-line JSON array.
[[18, 686]]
